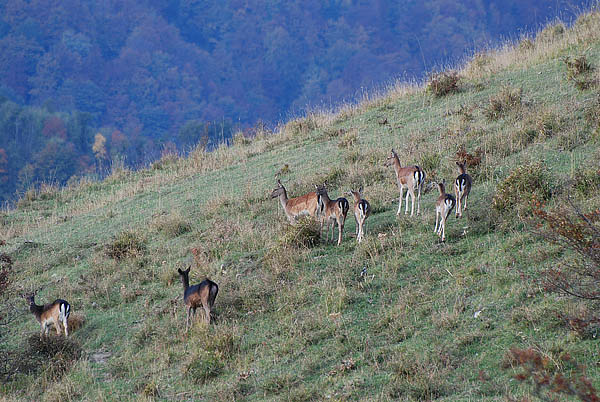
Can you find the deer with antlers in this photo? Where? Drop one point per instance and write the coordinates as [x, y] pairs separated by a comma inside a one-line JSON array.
[[411, 177], [362, 210], [332, 211], [462, 188], [307, 204]]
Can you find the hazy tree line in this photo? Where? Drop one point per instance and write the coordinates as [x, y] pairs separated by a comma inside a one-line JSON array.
[[154, 75]]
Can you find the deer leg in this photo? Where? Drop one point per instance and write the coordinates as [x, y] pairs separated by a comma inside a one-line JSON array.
[[66, 325], [437, 214], [340, 229], [419, 201], [207, 314], [400, 204], [57, 327], [412, 195]]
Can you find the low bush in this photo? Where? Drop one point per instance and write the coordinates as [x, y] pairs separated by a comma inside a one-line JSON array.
[[526, 183], [443, 84], [126, 244]]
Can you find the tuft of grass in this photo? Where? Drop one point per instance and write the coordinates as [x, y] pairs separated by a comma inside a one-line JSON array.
[[304, 233], [126, 244], [444, 83], [349, 139], [172, 225], [507, 100], [203, 366]]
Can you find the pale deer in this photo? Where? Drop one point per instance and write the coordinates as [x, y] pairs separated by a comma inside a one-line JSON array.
[[411, 177], [362, 210], [307, 204], [55, 313], [462, 188], [332, 211], [443, 208], [202, 294]]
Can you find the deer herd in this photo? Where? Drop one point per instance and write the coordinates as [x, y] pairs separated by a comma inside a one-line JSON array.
[[317, 205]]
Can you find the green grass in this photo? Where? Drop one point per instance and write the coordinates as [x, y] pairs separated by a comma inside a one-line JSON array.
[[298, 322]]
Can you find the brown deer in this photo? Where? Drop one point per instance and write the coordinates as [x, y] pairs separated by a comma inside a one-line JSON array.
[[443, 208], [202, 294], [462, 188], [362, 210], [332, 211], [411, 177], [307, 204], [55, 313]]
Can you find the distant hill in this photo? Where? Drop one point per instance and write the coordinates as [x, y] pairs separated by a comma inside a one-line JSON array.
[[400, 316], [155, 76]]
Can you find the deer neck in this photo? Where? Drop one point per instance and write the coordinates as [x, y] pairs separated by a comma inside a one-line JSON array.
[[283, 198], [185, 280], [36, 310]]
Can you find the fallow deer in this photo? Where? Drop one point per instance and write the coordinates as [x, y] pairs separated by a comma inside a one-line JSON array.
[[411, 177], [202, 294], [295, 207], [55, 313], [332, 211], [462, 188], [443, 208], [362, 210]]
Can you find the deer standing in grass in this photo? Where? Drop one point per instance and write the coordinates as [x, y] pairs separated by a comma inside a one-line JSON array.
[[202, 294], [307, 204], [411, 177], [443, 208], [55, 313], [362, 210], [332, 211], [462, 188]]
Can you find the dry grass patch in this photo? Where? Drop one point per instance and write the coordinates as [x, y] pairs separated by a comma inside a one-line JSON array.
[[507, 100], [444, 83], [126, 244]]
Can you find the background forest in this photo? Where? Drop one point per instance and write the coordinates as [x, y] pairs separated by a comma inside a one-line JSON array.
[[86, 83]]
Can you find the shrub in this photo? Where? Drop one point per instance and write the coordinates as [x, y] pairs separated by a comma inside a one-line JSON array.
[[305, 233], [508, 99], [525, 184], [54, 355], [240, 139], [444, 83], [548, 384], [579, 71], [126, 244], [580, 233], [173, 226]]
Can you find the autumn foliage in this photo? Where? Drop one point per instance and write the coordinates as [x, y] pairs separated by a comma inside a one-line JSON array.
[[579, 232], [548, 383]]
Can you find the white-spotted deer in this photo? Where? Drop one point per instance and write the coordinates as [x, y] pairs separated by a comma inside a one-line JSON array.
[[307, 204], [362, 210], [462, 188], [202, 294], [332, 211], [411, 177], [443, 208], [55, 313]]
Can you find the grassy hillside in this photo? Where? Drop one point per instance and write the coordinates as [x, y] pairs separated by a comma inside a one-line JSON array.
[[430, 320]]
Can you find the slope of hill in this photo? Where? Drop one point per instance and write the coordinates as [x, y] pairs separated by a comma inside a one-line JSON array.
[[428, 320]]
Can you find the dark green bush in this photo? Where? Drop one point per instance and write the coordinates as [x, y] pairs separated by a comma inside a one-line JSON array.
[[525, 183]]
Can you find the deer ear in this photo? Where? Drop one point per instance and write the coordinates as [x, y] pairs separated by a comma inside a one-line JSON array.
[[187, 271], [360, 190], [180, 271]]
